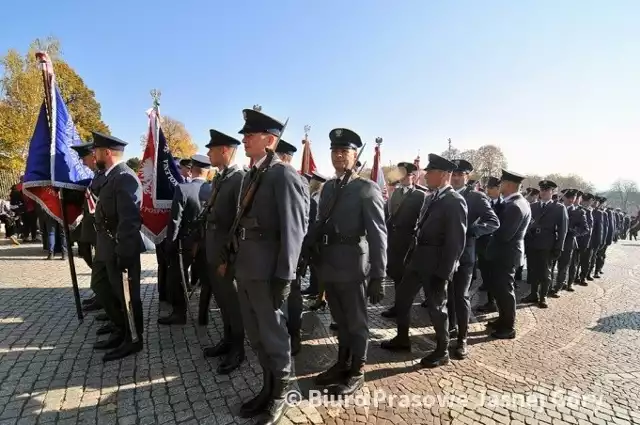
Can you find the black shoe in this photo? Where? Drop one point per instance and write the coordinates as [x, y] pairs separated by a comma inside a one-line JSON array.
[[570, 289], [398, 343], [461, 351], [493, 324], [115, 340], [435, 359], [337, 372], [333, 326], [543, 304], [530, 299], [50, 256], [453, 333], [390, 313], [277, 406], [589, 278], [352, 383], [126, 349], [554, 294], [296, 344], [94, 306], [102, 317], [173, 319], [256, 405], [504, 334], [489, 307], [106, 329], [232, 360], [220, 349], [89, 300], [596, 276]]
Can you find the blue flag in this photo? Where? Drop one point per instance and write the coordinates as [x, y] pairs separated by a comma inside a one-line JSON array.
[[51, 163]]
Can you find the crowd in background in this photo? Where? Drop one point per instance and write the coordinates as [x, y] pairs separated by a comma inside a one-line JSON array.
[[26, 222]]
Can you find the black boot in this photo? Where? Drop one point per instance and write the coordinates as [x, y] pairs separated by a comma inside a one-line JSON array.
[[256, 405], [175, 318], [220, 349], [106, 329], [401, 342], [352, 382], [390, 313], [461, 351], [115, 340], [125, 349], [233, 359], [278, 405], [337, 372], [438, 357], [92, 306], [203, 306]]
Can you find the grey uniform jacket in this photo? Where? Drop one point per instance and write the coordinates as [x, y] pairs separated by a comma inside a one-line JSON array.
[[401, 214], [275, 226], [223, 211], [354, 239], [481, 221], [506, 246], [118, 215], [548, 228], [585, 239], [185, 208], [442, 235], [88, 230], [599, 229], [578, 227]]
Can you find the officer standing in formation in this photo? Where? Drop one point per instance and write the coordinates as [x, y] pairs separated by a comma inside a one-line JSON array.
[[401, 213], [544, 242], [221, 211], [269, 243], [481, 221], [504, 253], [316, 181], [577, 227], [352, 240], [182, 237], [493, 192], [440, 238], [589, 243], [118, 247]]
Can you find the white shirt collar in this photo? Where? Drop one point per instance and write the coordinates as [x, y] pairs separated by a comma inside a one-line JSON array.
[[509, 197], [259, 162], [461, 189], [441, 190], [106, 173]]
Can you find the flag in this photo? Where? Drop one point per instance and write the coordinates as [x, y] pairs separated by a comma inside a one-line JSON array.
[[377, 174], [308, 165], [159, 175], [51, 163]]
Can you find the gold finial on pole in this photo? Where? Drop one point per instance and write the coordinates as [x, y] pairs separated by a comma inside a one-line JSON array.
[[378, 141], [307, 129], [155, 94], [257, 107]]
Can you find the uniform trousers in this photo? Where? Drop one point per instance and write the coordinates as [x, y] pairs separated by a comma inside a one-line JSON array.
[[163, 266], [84, 251], [348, 302], [574, 267], [586, 257], [458, 302], [564, 262], [294, 307], [501, 286], [601, 258], [485, 271], [539, 271], [436, 299], [106, 282], [175, 290], [265, 322], [225, 293]]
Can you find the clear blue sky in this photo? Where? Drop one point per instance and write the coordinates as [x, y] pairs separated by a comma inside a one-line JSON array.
[[554, 83]]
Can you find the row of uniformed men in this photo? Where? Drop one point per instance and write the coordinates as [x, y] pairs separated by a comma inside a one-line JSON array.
[[350, 239]]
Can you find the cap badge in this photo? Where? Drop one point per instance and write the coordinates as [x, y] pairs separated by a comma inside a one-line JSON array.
[[339, 132]]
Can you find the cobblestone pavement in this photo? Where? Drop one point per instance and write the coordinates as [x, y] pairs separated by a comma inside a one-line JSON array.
[[576, 362]]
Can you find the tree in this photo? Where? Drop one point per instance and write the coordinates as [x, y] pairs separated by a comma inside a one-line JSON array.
[[134, 163], [489, 160], [22, 93], [569, 181], [178, 138], [624, 189]]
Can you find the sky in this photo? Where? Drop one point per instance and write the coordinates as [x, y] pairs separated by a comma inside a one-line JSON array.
[[553, 83]]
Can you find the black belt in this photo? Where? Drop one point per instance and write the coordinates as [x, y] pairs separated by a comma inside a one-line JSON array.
[[337, 239], [257, 234]]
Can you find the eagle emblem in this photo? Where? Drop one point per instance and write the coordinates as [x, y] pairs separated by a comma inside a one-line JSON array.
[[146, 176], [339, 132], [244, 115]]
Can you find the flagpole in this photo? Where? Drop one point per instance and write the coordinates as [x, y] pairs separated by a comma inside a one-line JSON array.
[[65, 221]]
